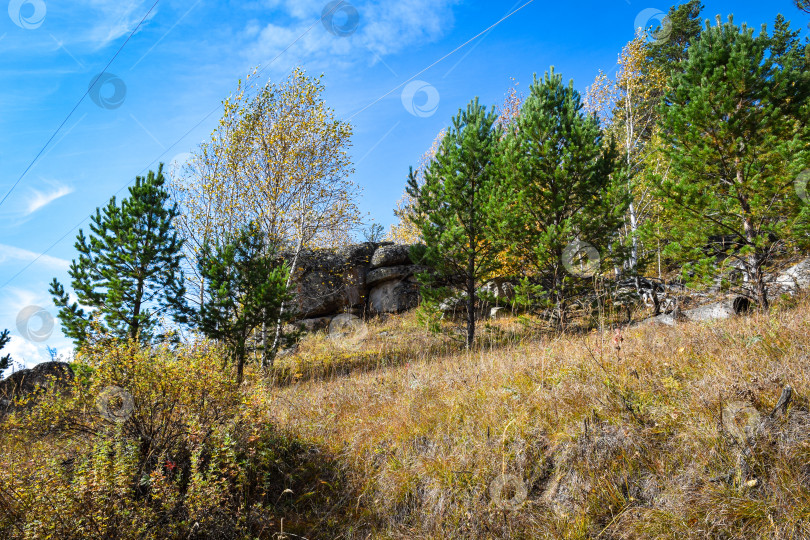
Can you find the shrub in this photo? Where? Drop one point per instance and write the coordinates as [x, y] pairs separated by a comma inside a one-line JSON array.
[[149, 443]]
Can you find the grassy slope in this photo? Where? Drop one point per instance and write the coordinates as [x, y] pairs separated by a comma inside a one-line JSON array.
[[606, 441]]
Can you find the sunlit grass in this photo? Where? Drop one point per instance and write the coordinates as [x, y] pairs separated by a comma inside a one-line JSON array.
[[400, 433], [611, 438]]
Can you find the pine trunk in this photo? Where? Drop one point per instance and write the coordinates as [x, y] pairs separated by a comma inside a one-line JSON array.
[[470, 299]]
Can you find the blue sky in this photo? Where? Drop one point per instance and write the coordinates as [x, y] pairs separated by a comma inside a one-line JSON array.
[[162, 97]]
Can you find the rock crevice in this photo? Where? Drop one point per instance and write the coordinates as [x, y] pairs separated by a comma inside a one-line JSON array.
[[362, 279]]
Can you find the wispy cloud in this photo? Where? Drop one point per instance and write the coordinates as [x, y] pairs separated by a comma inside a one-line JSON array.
[[39, 199], [11, 253], [383, 28], [115, 18], [83, 28]]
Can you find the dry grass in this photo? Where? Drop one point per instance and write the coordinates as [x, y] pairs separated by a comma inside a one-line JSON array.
[[567, 437], [397, 433]]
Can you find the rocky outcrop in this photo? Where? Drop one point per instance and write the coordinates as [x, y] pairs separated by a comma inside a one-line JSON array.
[[393, 297], [709, 312], [723, 309], [360, 279], [795, 278], [501, 290], [28, 382], [393, 255]]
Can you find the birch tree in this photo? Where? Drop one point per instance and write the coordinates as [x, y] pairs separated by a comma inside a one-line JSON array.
[[278, 158], [627, 105]]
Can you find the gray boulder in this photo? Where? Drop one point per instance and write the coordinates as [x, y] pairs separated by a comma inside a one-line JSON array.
[[716, 310], [325, 282], [27, 382], [328, 282], [393, 297], [723, 309], [664, 320], [379, 275], [795, 277], [457, 302], [393, 255], [360, 254]]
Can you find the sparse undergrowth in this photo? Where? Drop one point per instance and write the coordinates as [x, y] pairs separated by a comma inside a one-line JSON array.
[[653, 432]]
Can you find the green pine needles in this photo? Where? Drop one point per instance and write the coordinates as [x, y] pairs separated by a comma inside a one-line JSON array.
[[452, 209], [559, 185], [245, 288], [735, 129], [5, 361], [127, 277]]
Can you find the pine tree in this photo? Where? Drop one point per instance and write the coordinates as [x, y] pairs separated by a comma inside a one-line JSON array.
[[557, 188], [735, 130], [128, 272], [245, 286], [451, 210], [682, 28], [5, 361]]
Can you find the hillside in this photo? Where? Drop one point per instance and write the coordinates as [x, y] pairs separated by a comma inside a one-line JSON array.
[[651, 432], [587, 319]]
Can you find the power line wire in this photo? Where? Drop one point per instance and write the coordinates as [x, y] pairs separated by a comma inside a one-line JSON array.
[[440, 59], [89, 88], [338, 4], [186, 134]]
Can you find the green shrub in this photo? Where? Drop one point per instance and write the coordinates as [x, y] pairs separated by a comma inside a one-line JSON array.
[[148, 443]]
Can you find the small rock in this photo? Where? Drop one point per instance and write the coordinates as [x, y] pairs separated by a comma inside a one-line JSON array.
[[797, 276]]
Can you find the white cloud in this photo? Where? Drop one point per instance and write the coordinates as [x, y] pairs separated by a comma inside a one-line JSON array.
[[116, 18], [89, 25], [24, 349], [383, 28], [391, 27], [24, 353], [43, 198], [11, 253]]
